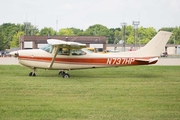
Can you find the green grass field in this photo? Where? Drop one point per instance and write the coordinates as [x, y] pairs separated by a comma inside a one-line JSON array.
[[124, 93]]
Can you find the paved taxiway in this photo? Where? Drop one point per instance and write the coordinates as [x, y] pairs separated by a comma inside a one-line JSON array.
[[162, 61], [8, 61]]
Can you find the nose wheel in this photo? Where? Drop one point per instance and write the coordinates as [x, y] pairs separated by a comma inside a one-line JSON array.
[[33, 73], [64, 74]]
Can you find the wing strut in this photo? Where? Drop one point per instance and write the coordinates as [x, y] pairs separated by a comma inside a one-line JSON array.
[[56, 47], [59, 43]]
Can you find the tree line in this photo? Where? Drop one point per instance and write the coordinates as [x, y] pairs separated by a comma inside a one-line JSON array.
[[10, 33]]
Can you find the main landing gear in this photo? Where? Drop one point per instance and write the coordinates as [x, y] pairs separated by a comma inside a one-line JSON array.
[[64, 74], [33, 73]]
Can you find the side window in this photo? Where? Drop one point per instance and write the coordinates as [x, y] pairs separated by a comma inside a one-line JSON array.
[[78, 52], [63, 51], [60, 51]]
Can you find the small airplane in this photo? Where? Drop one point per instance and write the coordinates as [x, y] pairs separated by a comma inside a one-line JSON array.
[[65, 56]]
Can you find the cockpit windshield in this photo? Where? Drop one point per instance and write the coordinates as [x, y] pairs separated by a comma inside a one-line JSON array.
[[86, 50], [47, 48]]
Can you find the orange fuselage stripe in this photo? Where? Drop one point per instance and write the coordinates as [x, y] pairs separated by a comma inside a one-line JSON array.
[[100, 61]]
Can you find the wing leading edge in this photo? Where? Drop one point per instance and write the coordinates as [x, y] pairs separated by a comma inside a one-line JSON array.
[[64, 44]]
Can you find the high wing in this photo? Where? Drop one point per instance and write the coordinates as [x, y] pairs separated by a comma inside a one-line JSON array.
[[63, 44]]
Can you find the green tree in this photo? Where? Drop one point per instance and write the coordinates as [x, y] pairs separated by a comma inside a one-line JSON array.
[[1, 40], [145, 34], [15, 40], [7, 31], [130, 38], [114, 35], [66, 32], [176, 36], [118, 36], [28, 28], [129, 34], [110, 36], [76, 31], [47, 31], [10, 33], [169, 29], [97, 30]]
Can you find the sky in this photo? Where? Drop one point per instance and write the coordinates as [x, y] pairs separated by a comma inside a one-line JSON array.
[[81, 14]]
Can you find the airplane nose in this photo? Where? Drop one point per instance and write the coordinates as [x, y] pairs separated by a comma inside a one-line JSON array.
[[14, 53]]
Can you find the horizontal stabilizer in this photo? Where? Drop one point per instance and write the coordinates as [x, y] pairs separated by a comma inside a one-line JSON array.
[[150, 60]]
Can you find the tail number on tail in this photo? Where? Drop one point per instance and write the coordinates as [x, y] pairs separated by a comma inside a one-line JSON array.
[[118, 61]]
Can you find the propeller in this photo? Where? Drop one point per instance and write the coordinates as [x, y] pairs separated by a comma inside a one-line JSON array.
[[14, 53]]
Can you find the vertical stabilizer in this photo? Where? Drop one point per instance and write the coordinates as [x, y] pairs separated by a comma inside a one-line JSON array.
[[156, 45]]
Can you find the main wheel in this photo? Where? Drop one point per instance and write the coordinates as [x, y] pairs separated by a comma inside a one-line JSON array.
[[66, 75], [31, 73], [34, 74], [61, 73]]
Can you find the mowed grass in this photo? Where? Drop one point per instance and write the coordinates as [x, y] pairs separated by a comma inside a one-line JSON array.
[[124, 93]]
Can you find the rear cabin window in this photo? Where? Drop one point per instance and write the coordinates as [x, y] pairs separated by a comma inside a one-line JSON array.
[[78, 52], [75, 52]]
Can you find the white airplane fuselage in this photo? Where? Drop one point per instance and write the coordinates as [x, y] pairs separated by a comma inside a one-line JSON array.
[[38, 58], [61, 55]]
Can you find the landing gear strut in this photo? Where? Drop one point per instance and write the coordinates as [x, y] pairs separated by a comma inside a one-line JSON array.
[[64, 74], [33, 73]]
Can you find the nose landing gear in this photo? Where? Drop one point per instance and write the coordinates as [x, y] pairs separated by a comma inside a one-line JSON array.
[[33, 73]]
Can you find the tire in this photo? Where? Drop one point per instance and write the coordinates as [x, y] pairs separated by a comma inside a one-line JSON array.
[[34, 74], [31, 73], [66, 75]]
